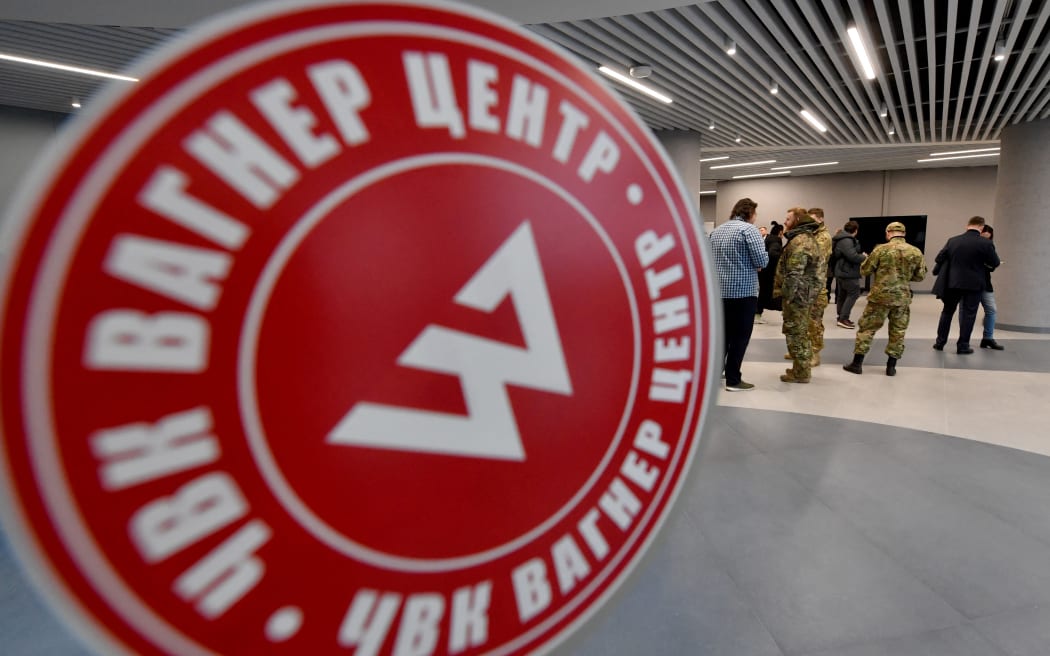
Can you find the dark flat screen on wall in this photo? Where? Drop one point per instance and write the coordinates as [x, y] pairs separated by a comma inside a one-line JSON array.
[[872, 230]]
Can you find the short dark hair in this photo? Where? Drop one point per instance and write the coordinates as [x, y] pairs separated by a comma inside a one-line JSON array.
[[815, 212], [744, 208], [975, 221], [851, 227], [987, 228], [777, 229]]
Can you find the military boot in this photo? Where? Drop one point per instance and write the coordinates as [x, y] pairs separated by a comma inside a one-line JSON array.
[[891, 366], [796, 375], [855, 366], [815, 362]]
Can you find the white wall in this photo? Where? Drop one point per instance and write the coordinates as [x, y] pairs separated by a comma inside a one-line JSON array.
[[948, 197]]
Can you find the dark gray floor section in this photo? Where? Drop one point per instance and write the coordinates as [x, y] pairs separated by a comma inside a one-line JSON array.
[[1020, 354], [843, 538], [802, 536]]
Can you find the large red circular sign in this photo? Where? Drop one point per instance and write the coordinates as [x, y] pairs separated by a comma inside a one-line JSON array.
[[374, 327]]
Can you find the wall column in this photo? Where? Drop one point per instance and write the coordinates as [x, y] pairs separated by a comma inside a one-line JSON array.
[[683, 149], [1022, 291]]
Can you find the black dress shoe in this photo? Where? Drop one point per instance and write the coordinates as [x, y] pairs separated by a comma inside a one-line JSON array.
[[992, 344], [964, 350], [938, 347]]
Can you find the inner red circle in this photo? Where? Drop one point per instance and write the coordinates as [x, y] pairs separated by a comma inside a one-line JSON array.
[[379, 269]]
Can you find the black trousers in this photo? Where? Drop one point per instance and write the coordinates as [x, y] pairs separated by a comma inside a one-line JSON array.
[[967, 300], [739, 316]]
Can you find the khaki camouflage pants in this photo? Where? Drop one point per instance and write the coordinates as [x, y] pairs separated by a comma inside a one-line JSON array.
[[796, 329], [873, 318], [816, 321]]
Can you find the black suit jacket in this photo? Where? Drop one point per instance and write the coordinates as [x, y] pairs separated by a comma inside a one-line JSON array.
[[966, 260]]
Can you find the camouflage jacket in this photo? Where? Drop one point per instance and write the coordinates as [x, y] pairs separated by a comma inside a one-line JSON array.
[[799, 278], [823, 238], [895, 265]]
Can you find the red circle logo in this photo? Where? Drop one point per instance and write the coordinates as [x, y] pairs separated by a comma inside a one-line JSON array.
[[378, 328]]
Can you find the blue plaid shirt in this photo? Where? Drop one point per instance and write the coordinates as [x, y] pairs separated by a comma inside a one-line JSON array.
[[739, 254]]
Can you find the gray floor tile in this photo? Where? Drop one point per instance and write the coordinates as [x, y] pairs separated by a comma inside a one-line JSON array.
[[1023, 632], [722, 437], [957, 641], [27, 627], [679, 602], [1009, 483], [979, 563], [769, 430], [815, 581]]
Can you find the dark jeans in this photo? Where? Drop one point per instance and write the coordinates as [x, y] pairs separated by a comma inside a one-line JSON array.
[[739, 316], [847, 291], [967, 300]]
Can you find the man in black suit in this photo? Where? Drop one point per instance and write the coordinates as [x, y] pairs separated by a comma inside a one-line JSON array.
[[962, 267]]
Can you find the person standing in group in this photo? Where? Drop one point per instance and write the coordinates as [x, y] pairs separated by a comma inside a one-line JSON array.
[[894, 266], [847, 256], [774, 246], [988, 302], [962, 269], [799, 281], [816, 316], [739, 254]]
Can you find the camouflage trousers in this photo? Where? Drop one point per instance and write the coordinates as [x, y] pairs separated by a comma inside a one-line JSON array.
[[796, 329], [816, 321], [874, 316]]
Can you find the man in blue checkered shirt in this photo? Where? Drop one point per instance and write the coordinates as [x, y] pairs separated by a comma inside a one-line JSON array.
[[739, 255]]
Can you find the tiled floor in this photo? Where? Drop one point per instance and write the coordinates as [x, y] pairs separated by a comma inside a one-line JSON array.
[[855, 516]]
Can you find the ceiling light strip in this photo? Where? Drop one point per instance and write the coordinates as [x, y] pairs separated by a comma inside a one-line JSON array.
[[732, 166], [634, 84], [941, 159], [812, 120], [861, 52], [708, 193], [64, 67], [963, 152], [760, 175], [801, 166], [714, 159]]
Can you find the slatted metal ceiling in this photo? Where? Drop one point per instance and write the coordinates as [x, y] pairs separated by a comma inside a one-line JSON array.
[[933, 61]]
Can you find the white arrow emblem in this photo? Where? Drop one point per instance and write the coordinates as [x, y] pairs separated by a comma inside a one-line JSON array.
[[484, 368]]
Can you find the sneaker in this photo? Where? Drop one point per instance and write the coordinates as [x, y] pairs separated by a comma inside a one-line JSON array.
[[740, 387], [845, 323]]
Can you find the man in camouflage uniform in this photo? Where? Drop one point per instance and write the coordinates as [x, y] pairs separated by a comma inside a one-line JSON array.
[[816, 315], [894, 265], [799, 280]]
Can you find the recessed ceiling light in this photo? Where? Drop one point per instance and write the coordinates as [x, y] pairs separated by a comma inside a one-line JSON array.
[[802, 166], [75, 103], [714, 159], [64, 67], [733, 166], [812, 120], [730, 47], [941, 159], [760, 175], [738, 139], [711, 126], [861, 52], [1000, 50], [774, 88], [891, 132], [634, 84], [963, 152], [884, 111]]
